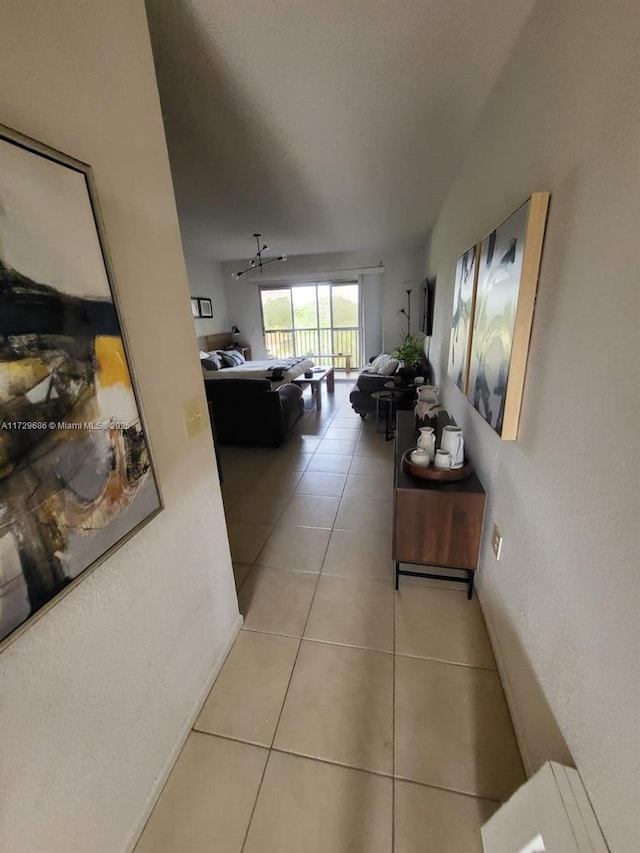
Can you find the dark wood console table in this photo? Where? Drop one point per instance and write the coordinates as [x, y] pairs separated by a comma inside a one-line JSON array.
[[434, 524]]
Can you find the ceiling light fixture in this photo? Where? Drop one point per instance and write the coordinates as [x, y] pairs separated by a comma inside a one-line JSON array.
[[257, 262]]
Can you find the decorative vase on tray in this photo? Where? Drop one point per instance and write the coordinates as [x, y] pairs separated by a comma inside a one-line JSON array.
[[427, 407], [420, 457], [427, 441]]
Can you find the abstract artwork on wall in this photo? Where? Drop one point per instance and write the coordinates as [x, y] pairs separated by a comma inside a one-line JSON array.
[[76, 476], [505, 299], [462, 319]]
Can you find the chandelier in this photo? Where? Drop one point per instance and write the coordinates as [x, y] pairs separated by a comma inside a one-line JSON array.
[[257, 261]]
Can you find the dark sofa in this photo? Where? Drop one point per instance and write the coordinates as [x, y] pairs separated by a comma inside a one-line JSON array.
[[360, 396], [247, 411]]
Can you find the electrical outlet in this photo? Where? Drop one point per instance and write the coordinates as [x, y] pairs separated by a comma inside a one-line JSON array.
[[496, 541], [193, 413]]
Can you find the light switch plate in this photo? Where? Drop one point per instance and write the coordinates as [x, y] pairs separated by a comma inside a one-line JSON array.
[[194, 413]]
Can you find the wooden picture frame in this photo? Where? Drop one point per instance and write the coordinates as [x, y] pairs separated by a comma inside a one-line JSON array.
[[509, 264], [206, 308], [77, 478], [464, 301]]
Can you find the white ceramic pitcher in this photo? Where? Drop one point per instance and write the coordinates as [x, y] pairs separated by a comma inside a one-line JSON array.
[[452, 440], [427, 441]]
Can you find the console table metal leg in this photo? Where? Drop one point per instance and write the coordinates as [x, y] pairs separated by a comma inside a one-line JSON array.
[[438, 577], [471, 576], [388, 434]]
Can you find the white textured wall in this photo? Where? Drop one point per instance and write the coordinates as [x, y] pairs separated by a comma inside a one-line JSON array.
[[96, 694], [206, 281], [403, 268], [564, 601]]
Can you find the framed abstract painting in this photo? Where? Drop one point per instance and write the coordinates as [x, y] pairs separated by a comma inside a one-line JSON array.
[[509, 264], [76, 473], [464, 297]]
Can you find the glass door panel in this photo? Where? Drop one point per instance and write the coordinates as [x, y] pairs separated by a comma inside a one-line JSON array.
[[345, 314], [305, 308], [320, 319], [305, 319], [344, 306], [277, 321], [324, 306]]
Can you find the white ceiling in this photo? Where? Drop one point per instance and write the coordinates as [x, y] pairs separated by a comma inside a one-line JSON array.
[[328, 125]]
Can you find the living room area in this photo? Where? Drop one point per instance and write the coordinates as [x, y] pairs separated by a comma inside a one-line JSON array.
[[239, 673]]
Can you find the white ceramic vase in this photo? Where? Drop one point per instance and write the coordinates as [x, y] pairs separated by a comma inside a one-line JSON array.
[[427, 441]]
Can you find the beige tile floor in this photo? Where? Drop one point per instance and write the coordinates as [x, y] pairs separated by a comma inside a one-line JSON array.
[[347, 718]]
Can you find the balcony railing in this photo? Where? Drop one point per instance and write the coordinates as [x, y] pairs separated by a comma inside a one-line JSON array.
[[285, 343]]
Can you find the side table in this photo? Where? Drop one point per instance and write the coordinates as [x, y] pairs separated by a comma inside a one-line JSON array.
[[390, 400]]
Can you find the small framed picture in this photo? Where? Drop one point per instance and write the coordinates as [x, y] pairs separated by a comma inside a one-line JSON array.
[[195, 308], [206, 308]]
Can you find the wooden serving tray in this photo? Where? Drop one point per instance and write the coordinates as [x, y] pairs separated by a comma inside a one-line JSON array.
[[442, 475]]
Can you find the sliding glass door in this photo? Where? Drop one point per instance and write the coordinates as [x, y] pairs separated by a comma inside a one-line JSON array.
[[319, 319]]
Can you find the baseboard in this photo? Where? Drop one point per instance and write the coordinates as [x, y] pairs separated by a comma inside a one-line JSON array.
[[167, 767], [518, 729]]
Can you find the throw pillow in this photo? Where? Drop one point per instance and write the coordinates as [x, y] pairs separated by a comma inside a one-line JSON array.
[[226, 359], [378, 362], [210, 361], [389, 367], [384, 365], [231, 358]]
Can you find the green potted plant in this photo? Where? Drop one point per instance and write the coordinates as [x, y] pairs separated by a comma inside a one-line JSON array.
[[409, 354]]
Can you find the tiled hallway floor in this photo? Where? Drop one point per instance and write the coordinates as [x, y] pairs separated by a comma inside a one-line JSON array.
[[348, 718]]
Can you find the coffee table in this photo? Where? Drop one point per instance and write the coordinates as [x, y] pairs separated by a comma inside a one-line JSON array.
[[315, 381]]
